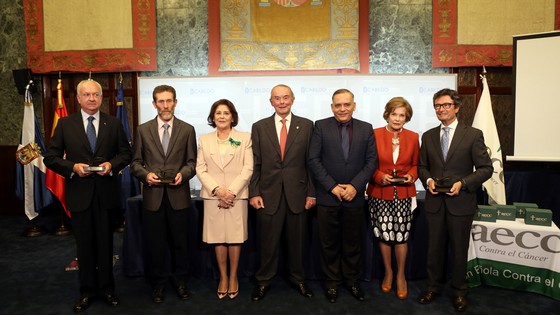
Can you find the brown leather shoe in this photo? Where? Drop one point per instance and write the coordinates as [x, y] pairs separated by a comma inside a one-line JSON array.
[[460, 303], [427, 297]]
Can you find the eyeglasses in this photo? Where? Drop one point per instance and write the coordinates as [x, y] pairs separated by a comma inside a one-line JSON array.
[[444, 105]]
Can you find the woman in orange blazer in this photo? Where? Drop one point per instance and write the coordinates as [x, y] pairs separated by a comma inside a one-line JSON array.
[[224, 166], [391, 190]]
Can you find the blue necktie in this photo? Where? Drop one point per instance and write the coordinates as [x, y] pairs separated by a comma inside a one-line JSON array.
[[445, 142], [344, 139], [90, 132], [165, 138]]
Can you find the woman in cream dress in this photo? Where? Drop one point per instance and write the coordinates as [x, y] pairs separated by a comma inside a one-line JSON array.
[[224, 167]]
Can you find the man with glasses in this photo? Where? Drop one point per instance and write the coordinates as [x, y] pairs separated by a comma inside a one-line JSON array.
[[164, 160], [448, 155], [89, 148]]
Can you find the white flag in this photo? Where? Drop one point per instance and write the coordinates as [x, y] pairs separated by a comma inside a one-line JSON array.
[[484, 120]]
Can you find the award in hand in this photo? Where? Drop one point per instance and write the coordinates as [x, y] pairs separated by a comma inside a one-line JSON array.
[[443, 185], [397, 180], [166, 176], [94, 166]]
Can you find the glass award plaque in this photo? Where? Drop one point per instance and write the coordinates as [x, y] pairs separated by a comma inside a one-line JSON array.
[[443, 185], [94, 168], [166, 176]]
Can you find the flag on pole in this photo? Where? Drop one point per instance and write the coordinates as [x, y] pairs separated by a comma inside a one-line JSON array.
[[129, 183], [54, 181], [30, 169], [484, 120]]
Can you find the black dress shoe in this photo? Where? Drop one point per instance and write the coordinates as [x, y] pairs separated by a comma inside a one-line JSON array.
[[356, 292], [82, 304], [158, 295], [331, 294], [111, 300], [460, 303], [183, 292], [258, 292], [427, 297], [304, 290]]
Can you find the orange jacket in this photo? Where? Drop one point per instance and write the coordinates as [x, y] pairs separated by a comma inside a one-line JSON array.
[[407, 163]]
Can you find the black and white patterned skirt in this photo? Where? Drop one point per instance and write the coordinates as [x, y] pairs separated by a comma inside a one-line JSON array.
[[391, 220]]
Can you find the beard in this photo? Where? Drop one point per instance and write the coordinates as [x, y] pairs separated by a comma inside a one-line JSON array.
[[166, 115]]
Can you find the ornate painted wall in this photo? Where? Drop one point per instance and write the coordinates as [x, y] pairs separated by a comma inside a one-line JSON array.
[[400, 42]]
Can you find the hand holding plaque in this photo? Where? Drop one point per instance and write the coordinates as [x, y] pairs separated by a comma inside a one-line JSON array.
[[92, 168], [94, 165], [443, 185], [166, 176], [398, 180]]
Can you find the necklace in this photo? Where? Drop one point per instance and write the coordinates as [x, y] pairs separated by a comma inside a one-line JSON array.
[[396, 141]]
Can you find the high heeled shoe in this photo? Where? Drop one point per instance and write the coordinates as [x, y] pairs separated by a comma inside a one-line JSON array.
[[386, 288], [222, 294], [233, 294], [402, 293]]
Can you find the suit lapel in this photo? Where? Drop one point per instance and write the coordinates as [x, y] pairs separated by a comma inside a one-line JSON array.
[[175, 132], [457, 139], [155, 136], [230, 150], [270, 130], [335, 135], [102, 132], [214, 150], [292, 133]]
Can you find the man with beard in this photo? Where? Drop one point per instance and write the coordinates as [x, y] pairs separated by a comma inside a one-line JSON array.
[[164, 159]]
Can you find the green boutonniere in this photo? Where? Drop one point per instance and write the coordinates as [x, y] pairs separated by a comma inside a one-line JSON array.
[[234, 143]]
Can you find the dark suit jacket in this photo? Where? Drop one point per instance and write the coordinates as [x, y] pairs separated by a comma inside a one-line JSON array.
[[112, 145], [328, 166], [467, 150], [270, 173], [148, 157]]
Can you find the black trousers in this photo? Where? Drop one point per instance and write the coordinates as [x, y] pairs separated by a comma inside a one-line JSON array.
[[165, 232], [340, 237]]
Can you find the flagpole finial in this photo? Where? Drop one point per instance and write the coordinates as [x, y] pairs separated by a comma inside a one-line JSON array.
[[89, 78], [29, 85]]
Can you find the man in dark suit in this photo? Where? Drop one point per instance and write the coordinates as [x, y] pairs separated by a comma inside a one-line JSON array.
[[448, 154], [281, 189], [342, 158], [90, 193], [164, 159]]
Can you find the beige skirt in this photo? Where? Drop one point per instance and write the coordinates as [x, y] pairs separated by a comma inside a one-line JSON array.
[[224, 225]]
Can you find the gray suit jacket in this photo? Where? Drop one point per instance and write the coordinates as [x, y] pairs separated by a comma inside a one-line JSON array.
[[148, 157], [329, 168], [270, 173], [467, 151]]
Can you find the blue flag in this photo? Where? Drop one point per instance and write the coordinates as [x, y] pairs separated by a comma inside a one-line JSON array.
[[129, 183], [30, 184]]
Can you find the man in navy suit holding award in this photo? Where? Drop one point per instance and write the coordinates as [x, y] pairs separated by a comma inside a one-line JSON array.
[[342, 157], [448, 155], [89, 148]]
